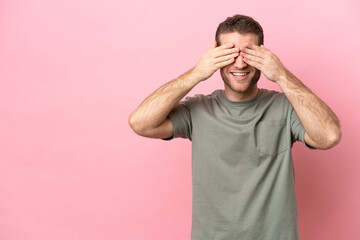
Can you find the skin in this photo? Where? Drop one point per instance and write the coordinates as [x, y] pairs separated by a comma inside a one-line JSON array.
[[239, 52], [245, 89], [322, 127], [150, 118]]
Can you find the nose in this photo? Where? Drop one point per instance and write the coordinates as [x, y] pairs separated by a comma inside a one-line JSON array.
[[239, 62]]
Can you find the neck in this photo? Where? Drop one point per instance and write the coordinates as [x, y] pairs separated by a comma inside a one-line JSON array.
[[243, 96]]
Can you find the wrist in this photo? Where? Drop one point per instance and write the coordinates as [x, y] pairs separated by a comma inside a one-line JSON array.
[[193, 77], [284, 78]]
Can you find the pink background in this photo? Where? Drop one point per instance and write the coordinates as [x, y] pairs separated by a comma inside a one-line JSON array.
[[72, 71]]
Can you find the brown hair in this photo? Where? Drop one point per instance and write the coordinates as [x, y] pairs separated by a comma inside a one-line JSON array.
[[241, 24]]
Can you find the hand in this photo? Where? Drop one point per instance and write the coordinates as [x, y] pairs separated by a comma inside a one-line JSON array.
[[215, 58], [264, 60]]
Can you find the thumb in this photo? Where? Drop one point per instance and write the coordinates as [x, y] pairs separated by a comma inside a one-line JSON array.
[[214, 45]]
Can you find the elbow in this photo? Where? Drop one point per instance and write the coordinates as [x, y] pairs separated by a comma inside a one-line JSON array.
[[336, 138], [134, 124], [137, 126], [333, 139]]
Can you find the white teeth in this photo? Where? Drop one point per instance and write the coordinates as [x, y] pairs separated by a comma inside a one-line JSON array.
[[239, 74]]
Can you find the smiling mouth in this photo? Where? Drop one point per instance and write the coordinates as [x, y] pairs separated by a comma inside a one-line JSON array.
[[237, 74]]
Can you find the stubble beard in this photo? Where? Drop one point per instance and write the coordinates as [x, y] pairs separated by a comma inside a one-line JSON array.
[[253, 81]]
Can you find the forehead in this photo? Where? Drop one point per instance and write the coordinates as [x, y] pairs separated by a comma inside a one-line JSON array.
[[239, 39]]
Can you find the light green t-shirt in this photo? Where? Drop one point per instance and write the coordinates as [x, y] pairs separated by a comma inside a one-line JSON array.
[[242, 170]]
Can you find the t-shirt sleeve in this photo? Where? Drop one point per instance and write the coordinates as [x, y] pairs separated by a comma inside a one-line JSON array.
[[180, 118], [297, 129]]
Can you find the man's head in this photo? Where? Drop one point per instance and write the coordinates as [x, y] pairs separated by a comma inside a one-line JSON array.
[[241, 24], [239, 30]]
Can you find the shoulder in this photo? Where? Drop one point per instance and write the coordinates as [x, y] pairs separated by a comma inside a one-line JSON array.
[[202, 98], [266, 94], [274, 103], [273, 96]]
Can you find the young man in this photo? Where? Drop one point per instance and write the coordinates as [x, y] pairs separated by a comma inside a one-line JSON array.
[[242, 168]]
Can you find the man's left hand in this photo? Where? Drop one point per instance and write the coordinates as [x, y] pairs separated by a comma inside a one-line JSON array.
[[264, 60]]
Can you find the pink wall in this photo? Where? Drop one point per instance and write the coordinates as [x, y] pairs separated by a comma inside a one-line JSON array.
[[72, 71]]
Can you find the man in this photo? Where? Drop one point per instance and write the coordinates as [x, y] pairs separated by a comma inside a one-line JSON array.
[[242, 169]]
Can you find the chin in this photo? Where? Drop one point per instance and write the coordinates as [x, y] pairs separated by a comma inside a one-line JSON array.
[[241, 89], [244, 87]]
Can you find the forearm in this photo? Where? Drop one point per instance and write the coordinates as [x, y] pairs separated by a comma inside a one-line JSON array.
[[321, 125], [149, 119], [319, 121], [154, 109]]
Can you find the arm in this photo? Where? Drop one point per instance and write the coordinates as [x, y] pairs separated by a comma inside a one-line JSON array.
[[150, 118], [322, 127]]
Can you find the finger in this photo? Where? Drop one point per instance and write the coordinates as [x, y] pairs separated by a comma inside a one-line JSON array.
[[253, 46], [223, 64], [248, 51], [253, 63], [227, 57], [252, 58], [261, 48], [227, 45], [224, 52]]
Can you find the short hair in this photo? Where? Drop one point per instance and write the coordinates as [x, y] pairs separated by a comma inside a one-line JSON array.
[[241, 24]]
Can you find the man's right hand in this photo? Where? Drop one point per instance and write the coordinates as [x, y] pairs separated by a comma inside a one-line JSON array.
[[150, 118], [214, 59]]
